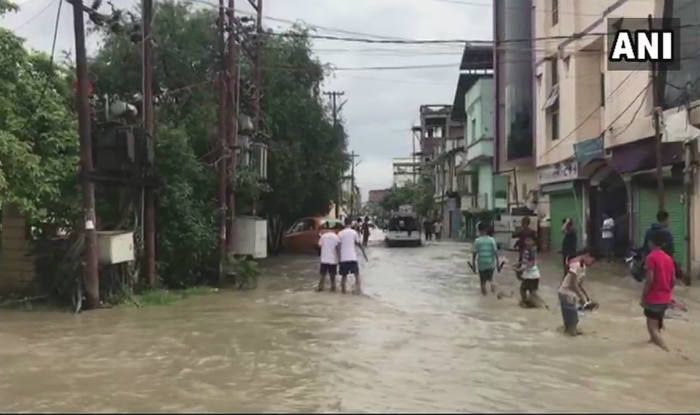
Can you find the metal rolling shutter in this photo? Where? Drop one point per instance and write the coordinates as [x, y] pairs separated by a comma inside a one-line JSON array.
[[562, 205], [647, 204]]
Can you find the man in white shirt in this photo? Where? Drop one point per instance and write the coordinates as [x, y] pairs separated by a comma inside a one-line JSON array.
[[608, 235], [349, 240], [330, 244]]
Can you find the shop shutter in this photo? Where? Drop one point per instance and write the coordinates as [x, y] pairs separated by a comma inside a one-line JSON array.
[[647, 204], [563, 205]]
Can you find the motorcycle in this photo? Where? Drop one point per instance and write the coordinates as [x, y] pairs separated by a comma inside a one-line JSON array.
[[635, 264]]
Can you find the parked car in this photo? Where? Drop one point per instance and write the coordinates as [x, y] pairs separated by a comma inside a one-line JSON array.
[[303, 236], [403, 230]]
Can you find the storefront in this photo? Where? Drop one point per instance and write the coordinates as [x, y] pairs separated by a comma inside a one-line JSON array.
[[636, 163], [567, 199]]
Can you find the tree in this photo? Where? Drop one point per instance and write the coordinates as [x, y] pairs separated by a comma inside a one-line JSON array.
[[38, 138], [306, 154], [419, 195]]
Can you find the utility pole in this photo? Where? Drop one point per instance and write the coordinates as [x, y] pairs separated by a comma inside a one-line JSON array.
[[148, 125], [334, 97], [258, 6], [90, 269], [655, 91], [223, 145], [352, 183], [232, 74]]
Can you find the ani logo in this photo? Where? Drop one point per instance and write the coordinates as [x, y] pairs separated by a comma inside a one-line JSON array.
[[643, 46]]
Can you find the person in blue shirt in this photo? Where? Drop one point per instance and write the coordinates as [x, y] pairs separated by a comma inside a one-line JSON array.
[[662, 227], [485, 257]]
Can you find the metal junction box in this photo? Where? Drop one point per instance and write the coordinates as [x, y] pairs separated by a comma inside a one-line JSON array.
[[115, 247]]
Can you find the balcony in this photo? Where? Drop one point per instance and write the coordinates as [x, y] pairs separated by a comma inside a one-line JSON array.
[[477, 202], [480, 150]]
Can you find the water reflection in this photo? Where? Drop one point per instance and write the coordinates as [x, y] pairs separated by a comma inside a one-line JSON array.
[[421, 339]]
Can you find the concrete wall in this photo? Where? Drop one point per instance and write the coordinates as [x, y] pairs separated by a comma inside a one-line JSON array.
[[486, 183], [479, 104], [623, 119], [16, 261]]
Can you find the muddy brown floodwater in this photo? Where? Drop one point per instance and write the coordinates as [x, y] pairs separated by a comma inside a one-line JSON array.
[[422, 339]]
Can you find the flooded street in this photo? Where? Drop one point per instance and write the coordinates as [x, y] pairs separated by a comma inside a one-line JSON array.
[[422, 339]]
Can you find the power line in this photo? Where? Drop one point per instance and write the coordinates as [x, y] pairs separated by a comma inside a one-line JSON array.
[[589, 116], [34, 17]]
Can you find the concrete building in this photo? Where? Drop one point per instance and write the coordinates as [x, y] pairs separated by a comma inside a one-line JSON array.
[[406, 170], [474, 106], [594, 127], [441, 150], [514, 162], [377, 196]]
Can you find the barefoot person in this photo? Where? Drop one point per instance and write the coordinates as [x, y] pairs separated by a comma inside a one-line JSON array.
[[571, 291], [349, 241], [330, 244], [485, 257], [658, 287]]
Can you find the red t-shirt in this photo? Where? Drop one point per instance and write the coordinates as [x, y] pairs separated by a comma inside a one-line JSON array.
[[663, 267]]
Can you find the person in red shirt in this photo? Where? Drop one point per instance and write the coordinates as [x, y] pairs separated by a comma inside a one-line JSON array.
[[658, 288]]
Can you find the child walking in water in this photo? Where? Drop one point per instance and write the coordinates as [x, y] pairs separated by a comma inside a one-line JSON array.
[[485, 257], [571, 291], [530, 275]]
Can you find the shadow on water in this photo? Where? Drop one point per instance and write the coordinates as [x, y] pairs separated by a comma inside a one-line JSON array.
[[422, 338]]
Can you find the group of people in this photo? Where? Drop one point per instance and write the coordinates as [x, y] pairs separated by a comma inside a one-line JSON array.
[[656, 296], [432, 228], [339, 255], [362, 227]]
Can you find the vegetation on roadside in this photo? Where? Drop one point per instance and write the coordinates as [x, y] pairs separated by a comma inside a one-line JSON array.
[[419, 195], [39, 143]]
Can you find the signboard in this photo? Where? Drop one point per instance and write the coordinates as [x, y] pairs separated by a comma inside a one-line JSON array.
[[558, 172], [589, 150]]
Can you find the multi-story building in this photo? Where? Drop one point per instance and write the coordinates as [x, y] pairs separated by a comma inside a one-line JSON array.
[[441, 151], [595, 131], [474, 106], [514, 161], [406, 170]]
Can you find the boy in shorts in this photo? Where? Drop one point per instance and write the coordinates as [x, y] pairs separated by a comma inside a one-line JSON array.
[[571, 291], [330, 245], [530, 274], [658, 287], [485, 257]]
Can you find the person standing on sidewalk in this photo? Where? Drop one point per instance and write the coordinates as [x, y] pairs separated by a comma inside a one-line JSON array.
[[569, 242], [608, 234], [658, 288], [437, 228], [485, 256]]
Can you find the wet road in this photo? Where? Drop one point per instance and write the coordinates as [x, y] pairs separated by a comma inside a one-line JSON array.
[[421, 339]]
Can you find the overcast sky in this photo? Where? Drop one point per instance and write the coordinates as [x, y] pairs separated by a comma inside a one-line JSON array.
[[382, 105]]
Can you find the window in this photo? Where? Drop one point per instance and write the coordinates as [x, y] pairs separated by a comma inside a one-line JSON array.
[[554, 121], [555, 12], [474, 137], [552, 104]]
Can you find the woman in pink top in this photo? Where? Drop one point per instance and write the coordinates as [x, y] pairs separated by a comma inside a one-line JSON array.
[[658, 288]]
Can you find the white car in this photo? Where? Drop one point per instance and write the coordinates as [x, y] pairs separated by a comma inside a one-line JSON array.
[[403, 230]]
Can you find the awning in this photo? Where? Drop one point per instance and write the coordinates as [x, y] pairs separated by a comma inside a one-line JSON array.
[[557, 187], [552, 97], [641, 155]]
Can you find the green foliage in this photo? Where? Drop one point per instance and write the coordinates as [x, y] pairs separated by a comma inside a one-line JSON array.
[[305, 158], [418, 195], [38, 139], [186, 216], [241, 272]]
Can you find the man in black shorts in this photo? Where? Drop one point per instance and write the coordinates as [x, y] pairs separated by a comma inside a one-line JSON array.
[[349, 241]]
